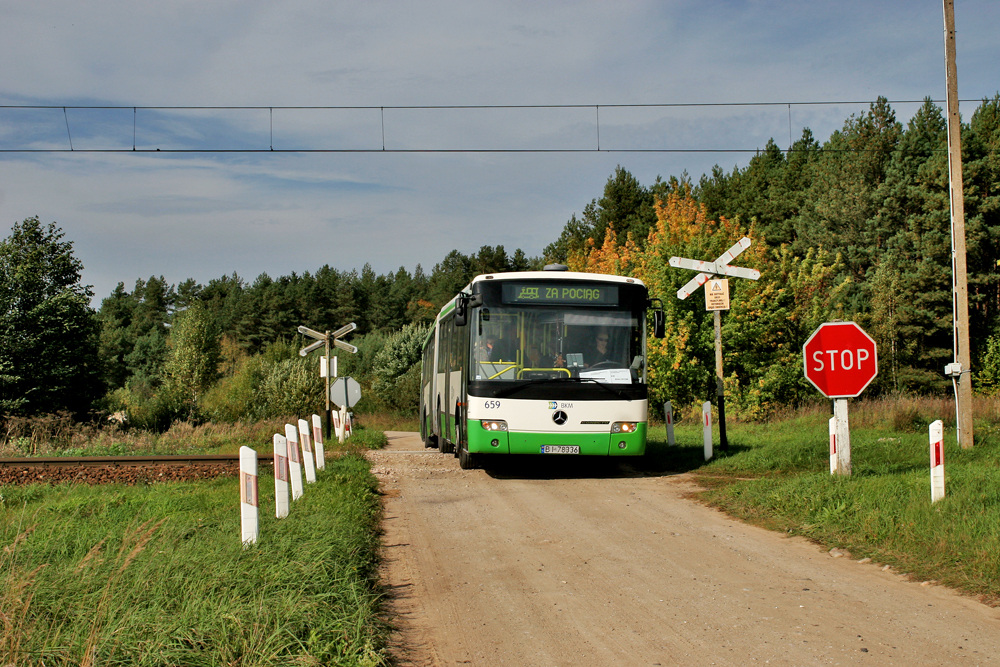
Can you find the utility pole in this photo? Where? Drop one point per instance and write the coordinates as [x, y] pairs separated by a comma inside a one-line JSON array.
[[961, 370]]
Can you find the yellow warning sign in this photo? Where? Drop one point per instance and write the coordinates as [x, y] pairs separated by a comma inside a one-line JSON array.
[[717, 294]]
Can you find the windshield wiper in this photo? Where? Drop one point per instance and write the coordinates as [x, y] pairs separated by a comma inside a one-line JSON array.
[[605, 385]]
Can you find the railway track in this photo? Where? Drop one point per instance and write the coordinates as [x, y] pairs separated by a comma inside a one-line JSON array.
[[117, 469]]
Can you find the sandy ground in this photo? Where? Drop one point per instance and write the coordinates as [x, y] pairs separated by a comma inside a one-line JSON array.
[[553, 563]]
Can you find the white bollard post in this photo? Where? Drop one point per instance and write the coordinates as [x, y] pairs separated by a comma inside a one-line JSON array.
[[937, 460], [307, 451], [280, 476], [294, 460], [833, 445], [706, 412], [338, 425], [248, 496], [668, 415], [348, 423], [318, 442]]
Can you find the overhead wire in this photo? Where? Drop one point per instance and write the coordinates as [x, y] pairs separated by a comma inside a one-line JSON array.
[[384, 149]]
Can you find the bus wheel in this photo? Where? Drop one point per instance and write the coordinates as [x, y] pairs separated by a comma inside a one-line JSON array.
[[429, 438], [459, 423], [466, 461]]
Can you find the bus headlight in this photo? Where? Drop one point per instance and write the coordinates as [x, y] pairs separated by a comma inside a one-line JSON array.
[[624, 427], [493, 424]]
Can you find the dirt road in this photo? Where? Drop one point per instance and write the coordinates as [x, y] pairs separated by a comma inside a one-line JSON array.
[[508, 567]]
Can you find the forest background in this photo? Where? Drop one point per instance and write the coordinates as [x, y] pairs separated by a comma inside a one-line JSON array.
[[854, 228]]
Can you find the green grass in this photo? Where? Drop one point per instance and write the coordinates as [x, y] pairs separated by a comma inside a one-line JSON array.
[[777, 475], [156, 575]]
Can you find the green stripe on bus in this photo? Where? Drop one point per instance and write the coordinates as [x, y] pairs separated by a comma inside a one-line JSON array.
[[590, 444]]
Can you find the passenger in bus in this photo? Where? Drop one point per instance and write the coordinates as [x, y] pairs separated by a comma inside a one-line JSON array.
[[484, 349], [536, 359], [505, 349]]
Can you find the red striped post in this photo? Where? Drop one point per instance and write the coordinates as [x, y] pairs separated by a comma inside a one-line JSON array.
[[280, 476], [706, 413], [318, 441], [307, 451], [936, 432], [668, 413], [833, 445], [248, 496], [294, 460]]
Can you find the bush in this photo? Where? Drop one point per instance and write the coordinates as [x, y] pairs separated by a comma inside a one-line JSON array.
[[988, 374], [290, 387], [273, 384], [145, 408], [396, 369]]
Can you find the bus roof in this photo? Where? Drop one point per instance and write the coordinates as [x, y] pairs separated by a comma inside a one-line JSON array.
[[539, 275], [555, 276]]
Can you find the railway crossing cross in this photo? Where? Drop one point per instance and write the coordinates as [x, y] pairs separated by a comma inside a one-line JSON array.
[[325, 339], [707, 271]]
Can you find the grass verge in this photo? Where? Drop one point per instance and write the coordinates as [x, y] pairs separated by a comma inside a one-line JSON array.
[[777, 475], [156, 575]]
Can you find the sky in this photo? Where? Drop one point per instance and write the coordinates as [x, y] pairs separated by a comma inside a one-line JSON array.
[[372, 161]]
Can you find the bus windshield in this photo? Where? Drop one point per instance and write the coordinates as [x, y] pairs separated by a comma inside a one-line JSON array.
[[515, 342]]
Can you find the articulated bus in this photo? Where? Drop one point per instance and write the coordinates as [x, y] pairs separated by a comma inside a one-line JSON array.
[[539, 362]]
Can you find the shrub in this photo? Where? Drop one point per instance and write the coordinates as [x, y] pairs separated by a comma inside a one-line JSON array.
[[988, 374], [275, 383], [396, 368]]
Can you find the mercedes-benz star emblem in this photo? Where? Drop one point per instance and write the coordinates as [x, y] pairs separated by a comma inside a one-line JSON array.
[[559, 417]]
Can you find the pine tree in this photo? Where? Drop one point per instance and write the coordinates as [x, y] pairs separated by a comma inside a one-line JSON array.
[[48, 331]]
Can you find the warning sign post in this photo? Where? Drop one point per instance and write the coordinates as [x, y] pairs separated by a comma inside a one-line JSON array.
[[717, 294]]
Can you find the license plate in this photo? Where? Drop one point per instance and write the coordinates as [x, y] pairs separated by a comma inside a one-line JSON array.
[[560, 449]]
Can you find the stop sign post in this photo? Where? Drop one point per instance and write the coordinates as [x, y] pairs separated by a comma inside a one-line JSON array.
[[841, 360]]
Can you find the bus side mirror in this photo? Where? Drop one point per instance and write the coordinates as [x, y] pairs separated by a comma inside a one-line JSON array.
[[462, 307], [659, 318], [659, 324]]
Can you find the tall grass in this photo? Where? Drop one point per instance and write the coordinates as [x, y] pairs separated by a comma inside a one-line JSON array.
[[57, 435], [49, 436], [157, 575]]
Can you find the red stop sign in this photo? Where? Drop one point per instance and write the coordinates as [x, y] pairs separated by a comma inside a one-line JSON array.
[[840, 359]]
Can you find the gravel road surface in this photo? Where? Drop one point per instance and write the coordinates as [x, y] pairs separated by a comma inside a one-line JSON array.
[[555, 563]]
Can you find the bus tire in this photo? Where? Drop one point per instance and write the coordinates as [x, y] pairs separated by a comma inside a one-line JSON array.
[[430, 441], [466, 461], [444, 445], [459, 423]]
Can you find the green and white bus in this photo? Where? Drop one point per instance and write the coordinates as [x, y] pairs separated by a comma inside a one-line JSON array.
[[539, 362]]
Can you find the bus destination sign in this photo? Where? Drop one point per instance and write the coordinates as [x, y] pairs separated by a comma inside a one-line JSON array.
[[563, 294]]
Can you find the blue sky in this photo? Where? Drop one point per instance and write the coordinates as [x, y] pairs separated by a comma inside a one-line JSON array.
[[203, 215]]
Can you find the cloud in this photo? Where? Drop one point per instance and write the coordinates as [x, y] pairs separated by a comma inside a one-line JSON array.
[[204, 215]]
